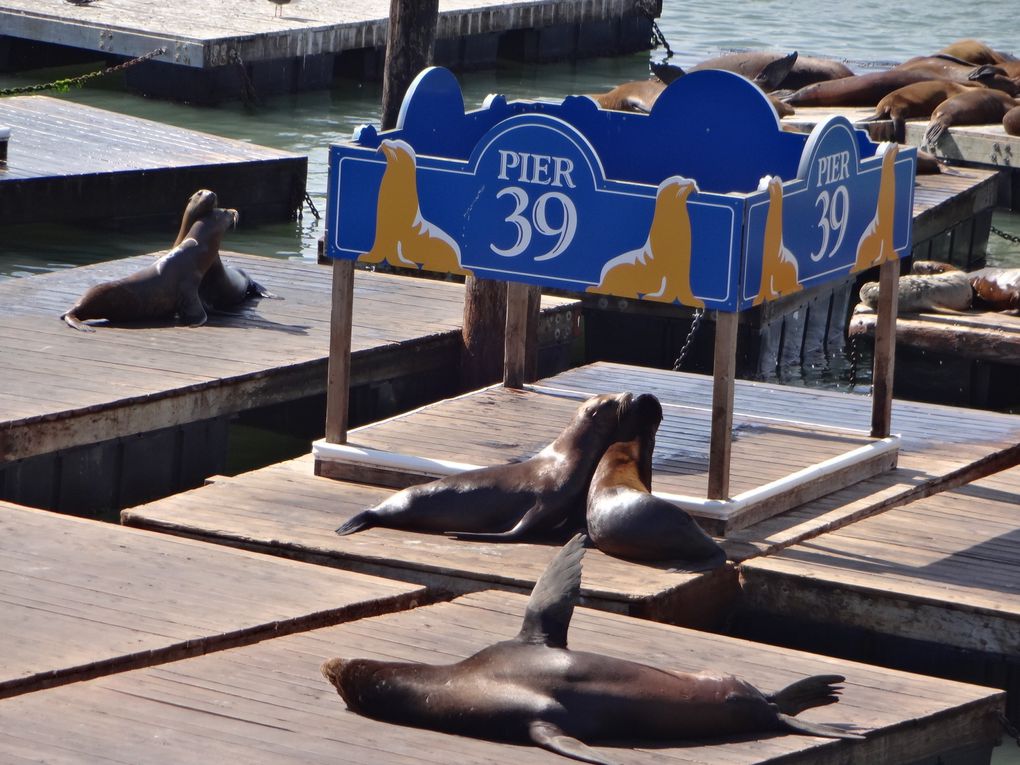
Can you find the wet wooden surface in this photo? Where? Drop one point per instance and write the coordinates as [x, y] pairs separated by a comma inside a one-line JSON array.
[[268, 702], [71, 162], [246, 511], [83, 598], [63, 388], [944, 569]]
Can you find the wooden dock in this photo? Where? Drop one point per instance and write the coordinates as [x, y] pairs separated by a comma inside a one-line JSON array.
[[268, 702], [212, 52], [978, 353], [244, 511], [84, 599], [91, 412], [69, 162]]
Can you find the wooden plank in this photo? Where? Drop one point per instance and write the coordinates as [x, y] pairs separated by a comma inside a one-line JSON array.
[[944, 569], [245, 511], [723, 380], [83, 598], [269, 702]]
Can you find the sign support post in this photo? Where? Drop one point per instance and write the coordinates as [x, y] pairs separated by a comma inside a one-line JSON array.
[[723, 380], [515, 340], [338, 379], [885, 349]]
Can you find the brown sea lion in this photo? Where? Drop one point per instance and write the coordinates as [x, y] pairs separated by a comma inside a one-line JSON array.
[[532, 688], [811, 69], [765, 69], [1011, 121], [505, 502], [996, 289], [639, 96], [914, 101], [167, 287], [946, 292], [625, 519], [941, 67], [669, 72], [976, 52], [223, 285], [858, 90], [979, 106], [1004, 77], [931, 267]]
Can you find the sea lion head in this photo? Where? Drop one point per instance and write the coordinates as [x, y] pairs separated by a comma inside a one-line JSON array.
[[640, 416]]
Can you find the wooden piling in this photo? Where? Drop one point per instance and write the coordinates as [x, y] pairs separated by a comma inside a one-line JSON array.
[[409, 49]]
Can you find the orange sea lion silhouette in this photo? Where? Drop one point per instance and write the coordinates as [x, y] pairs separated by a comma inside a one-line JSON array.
[[876, 245], [661, 269], [403, 237], [779, 274]]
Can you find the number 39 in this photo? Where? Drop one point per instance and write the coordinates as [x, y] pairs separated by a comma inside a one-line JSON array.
[[835, 212], [539, 222]]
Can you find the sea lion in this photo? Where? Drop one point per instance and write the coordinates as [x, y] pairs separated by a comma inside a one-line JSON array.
[[940, 67], [976, 52], [1004, 77], [858, 90], [931, 267], [946, 292], [505, 502], [979, 106], [639, 96], [1011, 121], [532, 688], [996, 289], [403, 237], [660, 270], [765, 69], [223, 285], [914, 101], [669, 72], [625, 519], [158, 291]]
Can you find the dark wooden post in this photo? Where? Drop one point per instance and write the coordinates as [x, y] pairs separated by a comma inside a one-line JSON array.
[[885, 349], [484, 333], [409, 49], [338, 378], [514, 373], [723, 379]]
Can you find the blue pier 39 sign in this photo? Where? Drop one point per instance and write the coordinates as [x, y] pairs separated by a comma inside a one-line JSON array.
[[705, 202]]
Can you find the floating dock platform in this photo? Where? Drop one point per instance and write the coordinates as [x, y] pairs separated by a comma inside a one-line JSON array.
[[84, 598], [102, 420], [269, 701], [67, 162], [212, 53]]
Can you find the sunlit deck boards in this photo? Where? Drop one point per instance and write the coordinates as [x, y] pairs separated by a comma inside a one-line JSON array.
[[945, 569], [268, 702], [63, 388], [83, 598], [286, 510], [71, 162]]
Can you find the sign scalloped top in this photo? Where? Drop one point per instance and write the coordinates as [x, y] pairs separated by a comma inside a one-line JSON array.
[[704, 202]]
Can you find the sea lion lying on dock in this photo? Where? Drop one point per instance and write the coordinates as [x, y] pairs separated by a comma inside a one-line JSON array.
[[996, 289], [533, 689], [165, 288], [625, 519], [507, 502], [914, 101], [978, 106], [947, 292], [1011, 121]]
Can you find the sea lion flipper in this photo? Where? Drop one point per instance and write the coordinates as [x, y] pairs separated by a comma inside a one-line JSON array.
[[775, 72], [551, 737], [190, 308], [547, 617], [361, 521], [815, 729], [72, 321]]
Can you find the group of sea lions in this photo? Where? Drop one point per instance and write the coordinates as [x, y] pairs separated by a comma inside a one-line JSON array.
[[965, 83], [186, 282], [599, 466], [933, 286]]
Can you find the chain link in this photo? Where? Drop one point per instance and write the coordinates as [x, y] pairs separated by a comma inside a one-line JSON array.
[[853, 357], [647, 8], [698, 314], [1006, 235], [63, 86], [311, 205], [1010, 728]]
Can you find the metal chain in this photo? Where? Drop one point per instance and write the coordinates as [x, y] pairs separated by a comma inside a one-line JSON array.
[[63, 85], [311, 205], [249, 96], [648, 9], [698, 313], [1006, 235], [852, 356], [1010, 728]]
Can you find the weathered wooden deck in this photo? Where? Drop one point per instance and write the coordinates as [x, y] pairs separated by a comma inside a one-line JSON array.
[[71, 162], [64, 389], [286, 510], [83, 598], [268, 702], [211, 51], [945, 569]]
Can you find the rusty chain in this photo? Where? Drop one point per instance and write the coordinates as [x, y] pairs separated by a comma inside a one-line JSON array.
[[64, 85]]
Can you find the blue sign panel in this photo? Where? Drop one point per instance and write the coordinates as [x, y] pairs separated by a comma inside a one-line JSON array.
[[520, 191]]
